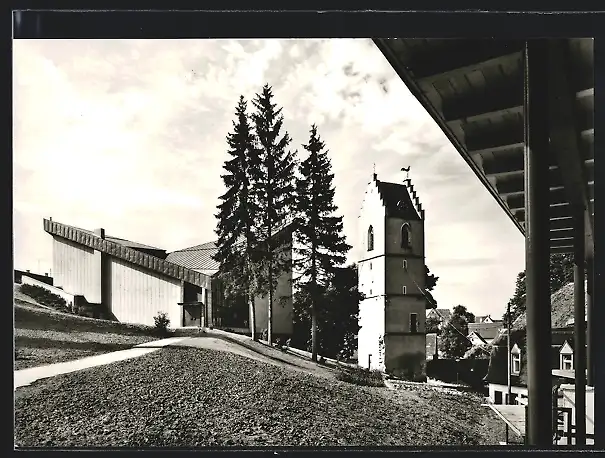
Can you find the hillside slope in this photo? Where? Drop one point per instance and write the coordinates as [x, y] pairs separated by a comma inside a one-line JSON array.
[[45, 336], [191, 397]]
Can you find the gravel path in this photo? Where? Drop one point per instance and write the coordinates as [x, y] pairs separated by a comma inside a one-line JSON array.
[[196, 397]]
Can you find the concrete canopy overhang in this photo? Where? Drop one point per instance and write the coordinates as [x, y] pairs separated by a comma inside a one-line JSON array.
[[474, 89]]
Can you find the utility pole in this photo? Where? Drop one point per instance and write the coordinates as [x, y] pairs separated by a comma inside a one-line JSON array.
[[509, 361]]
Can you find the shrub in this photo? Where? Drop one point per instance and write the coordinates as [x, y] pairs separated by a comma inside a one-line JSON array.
[[162, 322], [45, 297], [359, 376]]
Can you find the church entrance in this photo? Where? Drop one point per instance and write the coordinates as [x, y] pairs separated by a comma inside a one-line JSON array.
[[193, 314], [193, 307]]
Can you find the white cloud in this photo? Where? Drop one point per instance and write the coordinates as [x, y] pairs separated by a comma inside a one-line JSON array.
[[130, 135]]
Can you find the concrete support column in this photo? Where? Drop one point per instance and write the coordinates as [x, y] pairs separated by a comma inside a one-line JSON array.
[[208, 301], [590, 346], [579, 326], [100, 295], [537, 249]]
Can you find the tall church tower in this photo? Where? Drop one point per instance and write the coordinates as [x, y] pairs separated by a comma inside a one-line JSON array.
[[391, 271]]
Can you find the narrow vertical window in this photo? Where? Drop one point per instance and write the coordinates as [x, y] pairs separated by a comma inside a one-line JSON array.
[[406, 239], [370, 238], [404, 290], [405, 264], [413, 322]]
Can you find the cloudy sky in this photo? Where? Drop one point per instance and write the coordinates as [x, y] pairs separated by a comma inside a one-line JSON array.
[[129, 135]]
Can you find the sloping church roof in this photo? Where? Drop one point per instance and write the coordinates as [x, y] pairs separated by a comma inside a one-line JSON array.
[[397, 200], [198, 257], [126, 253]]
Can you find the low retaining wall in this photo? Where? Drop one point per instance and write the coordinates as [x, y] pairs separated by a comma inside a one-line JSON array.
[[469, 371], [69, 298]]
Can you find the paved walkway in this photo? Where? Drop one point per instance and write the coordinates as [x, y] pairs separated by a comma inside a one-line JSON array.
[[25, 377]]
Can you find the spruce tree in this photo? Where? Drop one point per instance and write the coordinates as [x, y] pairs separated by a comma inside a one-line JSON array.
[[237, 213], [274, 189], [322, 245]]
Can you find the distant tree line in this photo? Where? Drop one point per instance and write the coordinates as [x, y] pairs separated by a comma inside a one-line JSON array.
[[561, 273]]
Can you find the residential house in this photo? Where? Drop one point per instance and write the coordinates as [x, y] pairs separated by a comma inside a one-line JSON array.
[[443, 315], [483, 333], [18, 277], [486, 319]]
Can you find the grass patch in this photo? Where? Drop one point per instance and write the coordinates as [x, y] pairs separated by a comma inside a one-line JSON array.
[[45, 336], [359, 376], [45, 297]]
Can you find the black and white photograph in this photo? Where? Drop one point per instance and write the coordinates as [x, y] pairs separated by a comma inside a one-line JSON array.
[[277, 243]]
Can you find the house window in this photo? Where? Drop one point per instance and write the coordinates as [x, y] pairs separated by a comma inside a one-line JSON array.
[[404, 290], [413, 322], [370, 292], [515, 364], [567, 362], [370, 266], [370, 238], [497, 397], [405, 236], [512, 400], [405, 264]]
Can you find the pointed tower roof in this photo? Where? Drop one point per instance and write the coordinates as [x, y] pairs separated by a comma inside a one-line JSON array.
[[400, 200]]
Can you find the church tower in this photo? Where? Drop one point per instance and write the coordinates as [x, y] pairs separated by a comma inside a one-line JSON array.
[[391, 270]]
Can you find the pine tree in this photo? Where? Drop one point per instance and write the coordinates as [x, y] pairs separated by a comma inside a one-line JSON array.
[[274, 190], [237, 213], [322, 245]]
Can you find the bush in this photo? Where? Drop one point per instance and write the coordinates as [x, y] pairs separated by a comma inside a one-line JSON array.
[[162, 322], [45, 297], [359, 376]]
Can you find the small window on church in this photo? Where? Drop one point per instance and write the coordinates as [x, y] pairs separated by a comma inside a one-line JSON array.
[[405, 264], [413, 322], [370, 266], [404, 290], [370, 238], [406, 239]]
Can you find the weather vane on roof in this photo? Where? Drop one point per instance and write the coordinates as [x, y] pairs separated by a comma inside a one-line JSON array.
[[407, 172]]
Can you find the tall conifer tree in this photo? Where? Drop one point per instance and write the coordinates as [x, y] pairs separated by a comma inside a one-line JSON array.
[[274, 190], [237, 213], [322, 244]]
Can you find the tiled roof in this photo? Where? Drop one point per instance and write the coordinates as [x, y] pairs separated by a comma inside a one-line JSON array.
[[479, 336], [198, 257], [445, 313], [121, 251], [397, 200], [485, 330], [561, 306]]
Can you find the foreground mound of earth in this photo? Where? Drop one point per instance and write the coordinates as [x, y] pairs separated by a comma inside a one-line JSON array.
[[193, 397]]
